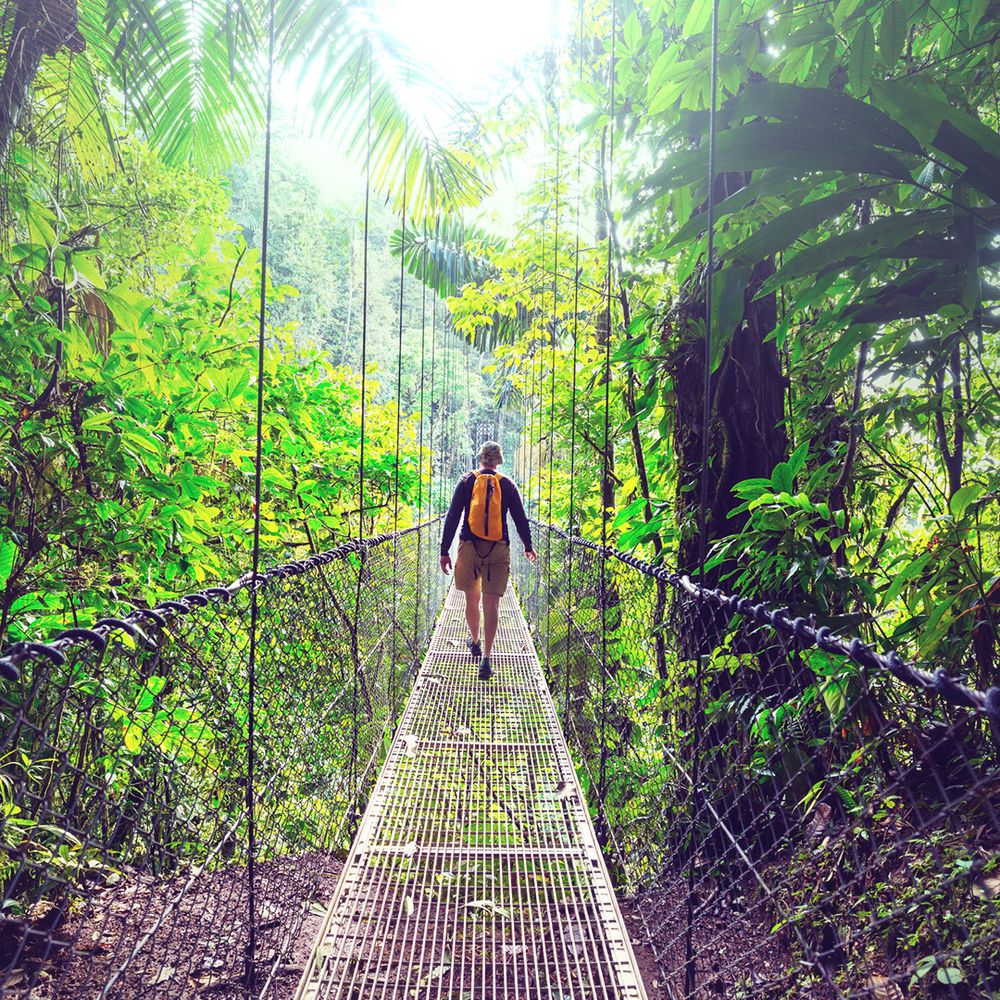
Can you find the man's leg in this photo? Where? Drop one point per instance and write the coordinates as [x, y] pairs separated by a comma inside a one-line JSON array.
[[491, 616], [467, 580], [472, 613]]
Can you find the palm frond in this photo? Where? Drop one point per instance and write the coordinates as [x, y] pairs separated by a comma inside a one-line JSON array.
[[447, 255], [340, 43], [68, 102], [450, 255], [190, 73]]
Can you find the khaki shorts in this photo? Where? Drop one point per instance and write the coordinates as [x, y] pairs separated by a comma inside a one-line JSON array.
[[483, 566]]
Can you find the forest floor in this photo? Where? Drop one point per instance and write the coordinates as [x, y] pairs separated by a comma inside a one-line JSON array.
[[200, 937], [735, 953]]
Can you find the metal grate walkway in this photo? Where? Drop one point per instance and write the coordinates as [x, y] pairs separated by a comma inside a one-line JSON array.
[[475, 873]]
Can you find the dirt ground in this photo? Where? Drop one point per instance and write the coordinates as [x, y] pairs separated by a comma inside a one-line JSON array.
[[735, 955], [200, 937]]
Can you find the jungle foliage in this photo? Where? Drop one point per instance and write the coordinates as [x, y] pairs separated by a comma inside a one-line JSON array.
[[852, 421], [855, 405], [129, 307]]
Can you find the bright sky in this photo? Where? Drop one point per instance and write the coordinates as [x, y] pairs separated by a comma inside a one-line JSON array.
[[467, 44]]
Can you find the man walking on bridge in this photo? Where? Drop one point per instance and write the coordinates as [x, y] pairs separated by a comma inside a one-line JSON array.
[[485, 497]]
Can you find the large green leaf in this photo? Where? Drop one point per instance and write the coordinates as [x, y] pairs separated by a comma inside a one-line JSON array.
[[862, 58], [983, 166], [780, 233], [939, 123], [768, 184], [816, 107], [852, 247], [779, 145], [892, 31], [921, 290], [8, 552], [729, 303]]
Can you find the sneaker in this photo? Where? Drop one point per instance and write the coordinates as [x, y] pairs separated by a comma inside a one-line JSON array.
[[485, 670], [474, 648]]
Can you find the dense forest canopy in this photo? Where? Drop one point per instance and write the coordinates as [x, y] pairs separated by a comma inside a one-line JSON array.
[[779, 375], [853, 410]]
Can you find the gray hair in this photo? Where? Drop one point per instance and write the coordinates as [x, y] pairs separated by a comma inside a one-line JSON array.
[[491, 453]]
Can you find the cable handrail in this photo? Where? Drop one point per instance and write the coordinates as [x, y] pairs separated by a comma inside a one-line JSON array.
[[166, 611], [803, 628]]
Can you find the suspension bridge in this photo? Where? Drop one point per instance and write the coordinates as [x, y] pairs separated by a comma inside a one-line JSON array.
[[476, 862], [167, 842], [293, 785]]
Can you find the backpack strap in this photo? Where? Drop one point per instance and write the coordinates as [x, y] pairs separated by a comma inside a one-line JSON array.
[[472, 490]]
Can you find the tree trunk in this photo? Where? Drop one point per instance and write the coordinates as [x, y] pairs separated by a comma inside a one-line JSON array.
[[41, 27], [746, 434]]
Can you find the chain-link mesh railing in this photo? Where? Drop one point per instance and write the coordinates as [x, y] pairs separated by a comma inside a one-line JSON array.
[[790, 814], [124, 806]]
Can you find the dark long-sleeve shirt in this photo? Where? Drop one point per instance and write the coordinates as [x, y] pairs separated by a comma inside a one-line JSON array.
[[510, 503]]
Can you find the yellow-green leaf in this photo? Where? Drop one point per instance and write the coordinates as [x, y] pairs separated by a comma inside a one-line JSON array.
[[862, 59]]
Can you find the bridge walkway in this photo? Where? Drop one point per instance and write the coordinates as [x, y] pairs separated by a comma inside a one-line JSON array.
[[475, 873]]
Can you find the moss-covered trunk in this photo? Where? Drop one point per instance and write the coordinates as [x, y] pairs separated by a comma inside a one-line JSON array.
[[746, 432]]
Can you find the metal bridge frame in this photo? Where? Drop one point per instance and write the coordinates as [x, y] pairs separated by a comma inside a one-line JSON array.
[[476, 872]]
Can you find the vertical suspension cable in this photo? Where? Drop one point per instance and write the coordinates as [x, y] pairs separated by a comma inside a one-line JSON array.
[[570, 527], [690, 976], [552, 351], [468, 392], [534, 377], [249, 964], [453, 436], [399, 426], [552, 362], [541, 349], [541, 352], [420, 475], [446, 469], [420, 432], [606, 475], [706, 404], [430, 464], [446, 435], [555, 318], [364, 298], [355, 722], [529, 403]]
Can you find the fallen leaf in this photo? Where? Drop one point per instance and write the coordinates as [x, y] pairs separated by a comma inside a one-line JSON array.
[[209, 980], [488, 906], [408, 906], [986, 887], [436, 973], [883, 988], [817, 822], [162, 976]]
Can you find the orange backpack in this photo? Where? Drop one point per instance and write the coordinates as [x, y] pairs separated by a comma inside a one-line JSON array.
[[485, 517]]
